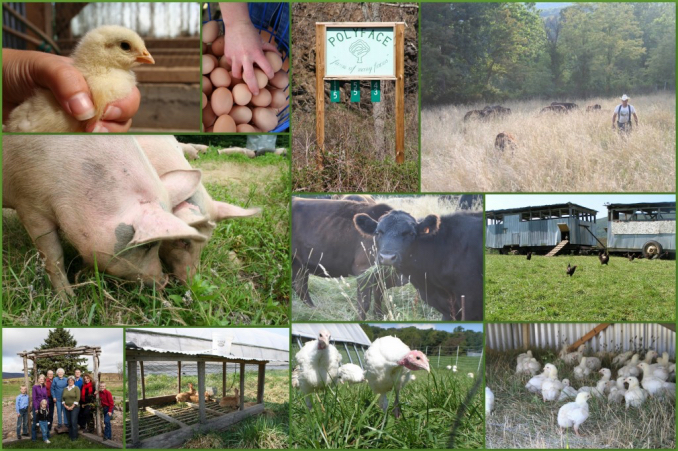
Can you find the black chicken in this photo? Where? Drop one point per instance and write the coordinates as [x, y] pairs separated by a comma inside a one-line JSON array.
[[570, 270], [604, 258]]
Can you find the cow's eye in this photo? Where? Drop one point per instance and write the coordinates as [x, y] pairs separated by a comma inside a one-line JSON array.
[[378, 232]]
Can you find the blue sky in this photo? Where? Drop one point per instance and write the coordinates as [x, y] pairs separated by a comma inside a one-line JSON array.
[[447, 327], [595, 201]]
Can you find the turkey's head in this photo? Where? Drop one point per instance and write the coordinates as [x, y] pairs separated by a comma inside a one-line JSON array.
[[415, 360]]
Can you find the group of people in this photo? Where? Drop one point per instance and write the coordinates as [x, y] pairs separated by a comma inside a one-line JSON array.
[[74, 400]]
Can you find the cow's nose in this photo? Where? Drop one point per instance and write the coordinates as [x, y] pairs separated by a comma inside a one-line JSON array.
[[388, 259]]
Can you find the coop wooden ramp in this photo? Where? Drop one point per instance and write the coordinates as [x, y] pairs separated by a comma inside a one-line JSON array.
[[559, 247]]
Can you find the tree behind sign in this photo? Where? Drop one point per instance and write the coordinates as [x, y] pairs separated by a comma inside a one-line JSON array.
[[60, 338]]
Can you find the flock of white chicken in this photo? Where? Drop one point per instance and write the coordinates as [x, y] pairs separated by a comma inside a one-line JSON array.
[[636, 381], [388, 366]]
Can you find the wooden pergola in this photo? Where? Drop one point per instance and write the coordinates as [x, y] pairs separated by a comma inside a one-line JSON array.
[[135, 358], [90, 351]]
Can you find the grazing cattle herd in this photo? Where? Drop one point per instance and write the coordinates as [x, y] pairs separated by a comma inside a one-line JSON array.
[[442, 256], [506, 140]]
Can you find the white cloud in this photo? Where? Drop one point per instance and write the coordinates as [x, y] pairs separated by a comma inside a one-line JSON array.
[[418, 326]]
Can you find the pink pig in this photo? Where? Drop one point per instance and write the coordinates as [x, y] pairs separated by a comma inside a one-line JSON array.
[[102, 193], [199, 210]]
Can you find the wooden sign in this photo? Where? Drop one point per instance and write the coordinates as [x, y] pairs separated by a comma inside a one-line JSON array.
[[360, 51]]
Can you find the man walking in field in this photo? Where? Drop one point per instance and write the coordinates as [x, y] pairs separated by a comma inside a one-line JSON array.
[[622, 115]]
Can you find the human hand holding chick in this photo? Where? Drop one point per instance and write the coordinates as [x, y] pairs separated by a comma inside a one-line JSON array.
[[242, 45], [23, 72]]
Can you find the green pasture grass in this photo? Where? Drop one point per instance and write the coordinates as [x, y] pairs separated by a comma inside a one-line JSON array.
[[539, 289], [523, 420], [57, 441], [10, 388], [348, 416], [243, 277]]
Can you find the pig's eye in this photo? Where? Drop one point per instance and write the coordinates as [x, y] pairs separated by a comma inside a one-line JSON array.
[[148, 246], [185, 243]]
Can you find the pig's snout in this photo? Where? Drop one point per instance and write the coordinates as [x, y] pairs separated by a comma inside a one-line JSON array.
[[158, 282]]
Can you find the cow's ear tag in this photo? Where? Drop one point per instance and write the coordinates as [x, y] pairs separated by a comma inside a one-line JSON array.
[[426, 231]]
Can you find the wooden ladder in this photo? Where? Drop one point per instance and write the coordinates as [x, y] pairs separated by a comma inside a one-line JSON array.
[[557, 249]]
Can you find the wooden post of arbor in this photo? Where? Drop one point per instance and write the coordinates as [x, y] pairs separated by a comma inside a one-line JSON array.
[[143, 383], [359, 51], [30, 393], [260, 383], [242, 386], [223, 379], [201, 391], [133, 401], [179, 374]]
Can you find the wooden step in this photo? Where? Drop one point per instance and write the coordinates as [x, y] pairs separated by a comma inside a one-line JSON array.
[[557, 249]]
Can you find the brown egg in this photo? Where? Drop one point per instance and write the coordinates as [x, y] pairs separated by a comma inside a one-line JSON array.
[[274, 60], [286, 65], [209, 130], [224, 124], [204, 100], [241, 114], [245, 128], [264, 118], [241, 94], [262, 99], [223, 62], [267, 36], [209, 62], [210, 31], [208, 116], [278, 98], [218, 46], [221, 101], [207, 87], [262, 79], [234, 80], [220, 77], [281, 79]]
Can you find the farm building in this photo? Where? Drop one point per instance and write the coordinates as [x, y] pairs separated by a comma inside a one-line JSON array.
[[349, 339], [648, 227], [548, 229], [216, 361], [615, 337]]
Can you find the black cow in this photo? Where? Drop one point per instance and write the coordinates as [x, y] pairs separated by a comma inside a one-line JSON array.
[[441, 256], [325, 243]]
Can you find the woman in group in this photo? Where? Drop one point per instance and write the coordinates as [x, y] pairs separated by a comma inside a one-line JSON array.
[[70, 400], [39, 393], [87, 400]]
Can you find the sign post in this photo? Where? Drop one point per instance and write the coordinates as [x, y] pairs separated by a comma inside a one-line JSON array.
[[356, 51]]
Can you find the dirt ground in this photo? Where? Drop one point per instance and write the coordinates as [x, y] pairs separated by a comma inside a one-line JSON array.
[[9, 422]]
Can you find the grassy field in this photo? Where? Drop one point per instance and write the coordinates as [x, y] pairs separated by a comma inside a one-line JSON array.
[[520, 290], [243, 277], [268, 430], [57, 441], [523, 420], [336, 298], [10, 388], [348, 416], [574, 152]]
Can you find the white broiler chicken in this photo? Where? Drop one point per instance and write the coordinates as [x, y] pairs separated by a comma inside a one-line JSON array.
[[351, 373], [604, 384], [582, 370], [551, 387], [573, 358], [630, 369], [105, 57], [654, 385], [535, 383], [573, 414], [531, 366], [622, 358], [295, 377], [649, 356], [634, 396], [318, 364], [659, 372], [664, 359], [489, 401], [388, 363], [567, 391], [593, 363], [522, 358], [617, 392]]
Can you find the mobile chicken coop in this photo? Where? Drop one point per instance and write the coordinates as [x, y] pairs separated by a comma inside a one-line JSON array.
[[162, 362], [648, 227], [545, 229]]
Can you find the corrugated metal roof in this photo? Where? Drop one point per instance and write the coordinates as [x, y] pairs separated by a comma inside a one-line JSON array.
[[616, 338], [642, 205], [490, 213], [349, 333], [205, 353], [245, 336]]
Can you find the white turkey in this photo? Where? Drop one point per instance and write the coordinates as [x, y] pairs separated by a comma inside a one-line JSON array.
[[489, 401], [318, 364], [351, 373], [388, 363], [573, 414]]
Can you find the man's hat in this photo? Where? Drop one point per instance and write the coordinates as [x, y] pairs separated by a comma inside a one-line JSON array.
[[625, 97]]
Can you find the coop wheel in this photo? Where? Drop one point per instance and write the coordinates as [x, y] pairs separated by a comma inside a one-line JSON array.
[[651, 248]]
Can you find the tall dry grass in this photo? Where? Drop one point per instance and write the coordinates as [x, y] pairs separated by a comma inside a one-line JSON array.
[[575, 152]]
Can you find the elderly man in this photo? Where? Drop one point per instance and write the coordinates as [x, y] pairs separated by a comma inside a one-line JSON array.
[[58, 385], [622, 115]]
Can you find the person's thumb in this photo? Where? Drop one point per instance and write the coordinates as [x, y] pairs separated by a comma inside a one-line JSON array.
[[68, 86]]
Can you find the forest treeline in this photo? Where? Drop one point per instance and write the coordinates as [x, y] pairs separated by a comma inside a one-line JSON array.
[[489, 52], [421, 338]]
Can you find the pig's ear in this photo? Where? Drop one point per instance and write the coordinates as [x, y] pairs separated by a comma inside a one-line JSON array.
[[181, 184], [226, 211], [190, 214], [161, 225]]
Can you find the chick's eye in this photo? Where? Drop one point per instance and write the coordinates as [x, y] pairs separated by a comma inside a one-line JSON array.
[[125, 46]]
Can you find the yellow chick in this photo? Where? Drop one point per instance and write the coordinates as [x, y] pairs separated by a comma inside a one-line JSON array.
[[105, 57]]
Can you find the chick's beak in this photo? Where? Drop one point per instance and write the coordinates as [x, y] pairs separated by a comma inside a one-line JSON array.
[[145, 58]]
